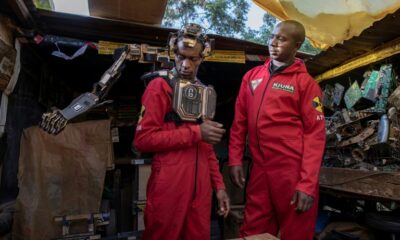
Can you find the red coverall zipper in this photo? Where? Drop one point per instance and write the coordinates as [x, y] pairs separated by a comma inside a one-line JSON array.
[[259, 108]]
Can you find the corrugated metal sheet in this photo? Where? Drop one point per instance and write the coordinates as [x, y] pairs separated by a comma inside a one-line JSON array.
[[94, 29]]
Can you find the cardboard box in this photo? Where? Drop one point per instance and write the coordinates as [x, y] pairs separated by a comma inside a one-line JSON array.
[[234, 221], [139, 11]]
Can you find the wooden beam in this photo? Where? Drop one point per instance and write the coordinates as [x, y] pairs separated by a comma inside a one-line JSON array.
[[22, 12]]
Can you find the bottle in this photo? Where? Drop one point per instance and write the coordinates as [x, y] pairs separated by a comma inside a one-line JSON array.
[[383, 129]]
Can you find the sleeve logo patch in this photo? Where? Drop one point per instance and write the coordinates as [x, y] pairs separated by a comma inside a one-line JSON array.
[[317, 104], [142, 110], [283, 87], [254, 83]]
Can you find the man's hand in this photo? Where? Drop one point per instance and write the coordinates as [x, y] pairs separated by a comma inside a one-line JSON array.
[[211, 132], [237, 176], [303, 200], [223, 203]]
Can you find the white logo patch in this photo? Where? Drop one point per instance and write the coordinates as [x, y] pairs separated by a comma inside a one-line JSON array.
[[283, 87], [254, 83]]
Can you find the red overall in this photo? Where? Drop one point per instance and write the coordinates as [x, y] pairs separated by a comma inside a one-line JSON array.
[[282, 115], [184, 170]]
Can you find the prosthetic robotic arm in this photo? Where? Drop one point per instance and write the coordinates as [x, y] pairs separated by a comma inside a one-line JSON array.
[[191, 100], [54, 122]]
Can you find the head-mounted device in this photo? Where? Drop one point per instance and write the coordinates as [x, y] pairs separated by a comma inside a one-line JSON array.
[[189, 35]]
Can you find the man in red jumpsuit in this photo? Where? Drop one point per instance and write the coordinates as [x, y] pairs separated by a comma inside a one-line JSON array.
[[279, 107], [184, 167]]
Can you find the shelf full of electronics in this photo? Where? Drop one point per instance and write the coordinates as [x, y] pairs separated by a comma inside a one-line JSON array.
[[362, 119]]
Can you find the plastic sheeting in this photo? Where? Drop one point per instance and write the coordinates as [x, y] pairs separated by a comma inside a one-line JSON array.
[[330, 22], [60, 175]]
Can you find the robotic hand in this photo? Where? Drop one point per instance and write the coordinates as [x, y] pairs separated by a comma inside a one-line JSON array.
[[54, 122]]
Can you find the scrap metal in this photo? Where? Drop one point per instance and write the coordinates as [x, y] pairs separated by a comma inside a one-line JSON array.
[[365, 133]]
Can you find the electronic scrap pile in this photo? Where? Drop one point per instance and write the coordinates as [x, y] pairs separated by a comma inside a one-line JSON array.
[[365, 134]]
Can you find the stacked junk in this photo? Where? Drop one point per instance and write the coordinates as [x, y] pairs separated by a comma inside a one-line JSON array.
[[365, 134]]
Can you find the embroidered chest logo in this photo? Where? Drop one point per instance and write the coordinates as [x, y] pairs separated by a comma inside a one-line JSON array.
[[316, 102], [254, 83], [283, 87]]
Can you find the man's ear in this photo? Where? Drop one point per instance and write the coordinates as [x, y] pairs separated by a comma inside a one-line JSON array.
[[202, 58], [298, 45]]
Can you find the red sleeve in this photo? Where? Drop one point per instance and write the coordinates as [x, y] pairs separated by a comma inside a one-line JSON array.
[[216, 177], [314, 136], [238, 130], [150, 135]]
